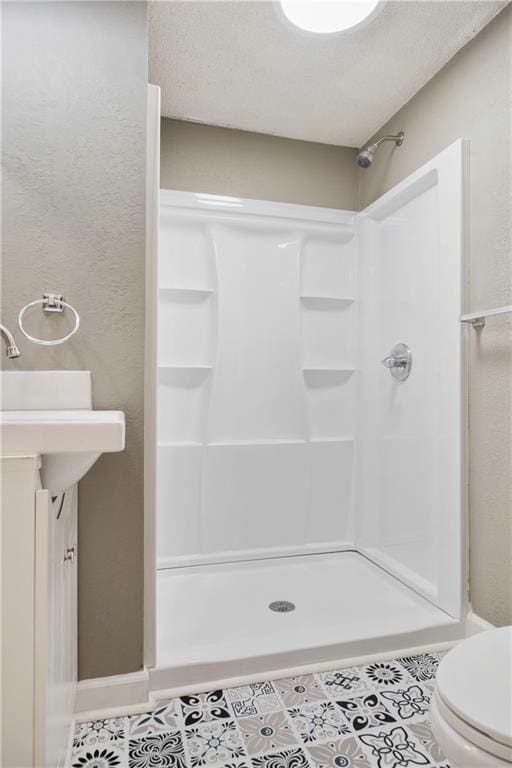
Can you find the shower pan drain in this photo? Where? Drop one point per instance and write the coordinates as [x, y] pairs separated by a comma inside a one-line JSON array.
[[282, 606]]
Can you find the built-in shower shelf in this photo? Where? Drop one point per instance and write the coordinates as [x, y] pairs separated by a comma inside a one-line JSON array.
[[179, 444], [243, 469], [185, 367], [236, 443], [326, 302], [332, 439], [334, 371], [269, 441], [183, 291]]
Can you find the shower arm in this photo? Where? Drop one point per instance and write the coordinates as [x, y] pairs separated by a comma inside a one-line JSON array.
[[398, 139]]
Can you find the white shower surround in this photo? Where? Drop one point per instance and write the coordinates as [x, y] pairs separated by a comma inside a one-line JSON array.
[[278, 431], [256, 392]]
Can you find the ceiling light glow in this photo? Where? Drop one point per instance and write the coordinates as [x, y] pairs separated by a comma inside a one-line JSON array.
[[327, 16]]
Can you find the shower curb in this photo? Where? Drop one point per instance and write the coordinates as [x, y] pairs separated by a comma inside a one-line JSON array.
[[130, 693]]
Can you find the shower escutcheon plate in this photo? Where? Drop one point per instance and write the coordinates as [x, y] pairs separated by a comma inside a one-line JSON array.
[[282, 606]]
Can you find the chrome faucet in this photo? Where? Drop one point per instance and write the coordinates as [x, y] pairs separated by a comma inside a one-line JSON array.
[[11, 348]]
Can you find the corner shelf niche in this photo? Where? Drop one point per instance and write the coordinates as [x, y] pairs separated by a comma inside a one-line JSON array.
[[256, 442], [320, 303], [333, 439], [186, 292], [179, 444], [251, 443], [326, 372], [185, 367]]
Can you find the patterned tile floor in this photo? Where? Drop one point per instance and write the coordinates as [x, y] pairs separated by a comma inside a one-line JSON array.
[[374, 716]]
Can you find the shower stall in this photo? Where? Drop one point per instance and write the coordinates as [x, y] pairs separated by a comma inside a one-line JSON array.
[[308, 501]]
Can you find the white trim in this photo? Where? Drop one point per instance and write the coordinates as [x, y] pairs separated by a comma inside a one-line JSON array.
[[150, 370], [243, 205], [103, 693], [464, 388], [42, 625]]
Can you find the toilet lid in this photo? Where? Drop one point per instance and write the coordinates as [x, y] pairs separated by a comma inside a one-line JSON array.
[[475, 681]]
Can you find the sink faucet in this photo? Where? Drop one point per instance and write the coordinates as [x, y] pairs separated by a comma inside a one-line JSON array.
[[11, 349]]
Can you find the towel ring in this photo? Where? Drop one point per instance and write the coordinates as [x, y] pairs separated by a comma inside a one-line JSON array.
[[52, 302]]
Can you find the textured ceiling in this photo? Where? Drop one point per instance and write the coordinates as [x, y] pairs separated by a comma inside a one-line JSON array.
[[236, 64]]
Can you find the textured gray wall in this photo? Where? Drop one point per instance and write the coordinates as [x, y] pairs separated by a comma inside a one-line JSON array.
[[74, 108], [221, 161], [73, 220], [470, 98]]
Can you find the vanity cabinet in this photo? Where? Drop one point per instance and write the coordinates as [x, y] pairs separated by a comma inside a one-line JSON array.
[[50, 436], [39, 617], [56, 624]]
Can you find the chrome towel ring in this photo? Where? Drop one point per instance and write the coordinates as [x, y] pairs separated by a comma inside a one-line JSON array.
[[52, 302]]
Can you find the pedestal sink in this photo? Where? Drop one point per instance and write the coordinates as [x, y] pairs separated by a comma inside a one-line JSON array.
[[50, 436], [50, 413]]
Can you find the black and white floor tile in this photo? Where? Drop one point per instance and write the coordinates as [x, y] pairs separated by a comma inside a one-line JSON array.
[[373, 716]]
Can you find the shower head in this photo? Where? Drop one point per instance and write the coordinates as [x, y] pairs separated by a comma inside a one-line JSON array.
[[365, 157]]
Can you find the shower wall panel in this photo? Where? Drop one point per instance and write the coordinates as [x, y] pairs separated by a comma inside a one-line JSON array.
[[409, 503], [257, 387]]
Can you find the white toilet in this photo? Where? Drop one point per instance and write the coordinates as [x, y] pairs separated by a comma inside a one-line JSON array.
[[471, 709]]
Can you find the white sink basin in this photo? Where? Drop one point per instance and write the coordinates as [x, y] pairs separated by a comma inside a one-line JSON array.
[[61, 432], [69, 439]]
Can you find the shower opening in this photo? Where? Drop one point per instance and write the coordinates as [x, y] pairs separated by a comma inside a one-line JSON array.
[[308, 504]]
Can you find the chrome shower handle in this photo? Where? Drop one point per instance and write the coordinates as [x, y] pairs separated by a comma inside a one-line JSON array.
[[399, 361]]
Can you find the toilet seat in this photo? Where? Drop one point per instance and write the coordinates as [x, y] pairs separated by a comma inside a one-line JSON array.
[[470, 734], [460, 750], [474, 691]]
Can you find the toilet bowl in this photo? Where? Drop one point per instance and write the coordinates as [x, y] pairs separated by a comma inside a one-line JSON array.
[[471, 709]]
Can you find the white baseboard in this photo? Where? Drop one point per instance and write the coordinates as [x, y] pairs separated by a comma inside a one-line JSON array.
[[475, 624], [128, 692]]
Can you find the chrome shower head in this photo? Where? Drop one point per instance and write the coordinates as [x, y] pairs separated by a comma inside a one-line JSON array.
[[365, 157]]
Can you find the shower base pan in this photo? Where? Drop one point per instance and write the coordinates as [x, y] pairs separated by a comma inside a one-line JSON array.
[[214, 622]]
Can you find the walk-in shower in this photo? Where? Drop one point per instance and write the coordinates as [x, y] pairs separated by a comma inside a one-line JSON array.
[[308, 504]]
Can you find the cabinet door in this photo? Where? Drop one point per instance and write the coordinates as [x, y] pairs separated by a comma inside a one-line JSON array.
[[70, 633], [62, 635], [42, 623], [56, 710], [19, 506]]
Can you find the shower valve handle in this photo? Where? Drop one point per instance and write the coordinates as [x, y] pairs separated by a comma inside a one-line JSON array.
[[399, 361], [394, 362]]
